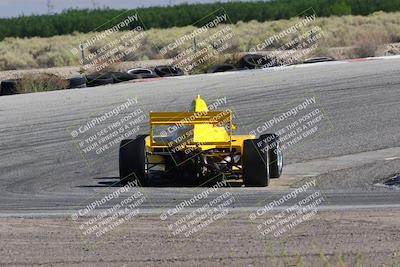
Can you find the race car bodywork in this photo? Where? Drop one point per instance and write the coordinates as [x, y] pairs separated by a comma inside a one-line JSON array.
[[199, 146]]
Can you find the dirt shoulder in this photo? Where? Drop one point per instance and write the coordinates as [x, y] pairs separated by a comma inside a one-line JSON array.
[[345, 238], [68, 72]]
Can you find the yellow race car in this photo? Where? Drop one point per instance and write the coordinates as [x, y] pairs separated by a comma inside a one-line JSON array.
[[199, 145]]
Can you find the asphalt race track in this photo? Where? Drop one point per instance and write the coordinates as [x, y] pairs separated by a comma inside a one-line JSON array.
[[43, 172]]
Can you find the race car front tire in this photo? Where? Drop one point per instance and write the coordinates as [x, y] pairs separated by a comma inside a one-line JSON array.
[[255, 164], [132, 160]]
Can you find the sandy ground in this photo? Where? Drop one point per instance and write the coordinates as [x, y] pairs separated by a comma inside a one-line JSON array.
[[345, 238]]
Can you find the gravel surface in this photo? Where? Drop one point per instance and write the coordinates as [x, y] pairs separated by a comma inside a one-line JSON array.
[[367, 238]]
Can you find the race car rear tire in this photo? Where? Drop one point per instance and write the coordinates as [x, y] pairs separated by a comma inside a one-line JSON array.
[[275, 154], [132, 160], [255, 164]]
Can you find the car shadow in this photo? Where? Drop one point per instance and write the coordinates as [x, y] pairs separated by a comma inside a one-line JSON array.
[[103, 182]]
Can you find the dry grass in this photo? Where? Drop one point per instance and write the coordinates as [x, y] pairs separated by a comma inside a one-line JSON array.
[[369, 42], [220, 59], [40, 82], [366, 34]]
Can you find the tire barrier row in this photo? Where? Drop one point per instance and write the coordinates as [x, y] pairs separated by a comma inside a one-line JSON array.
[[249, 61]]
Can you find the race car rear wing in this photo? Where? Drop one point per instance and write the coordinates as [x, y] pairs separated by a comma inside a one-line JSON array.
[[205, 123]]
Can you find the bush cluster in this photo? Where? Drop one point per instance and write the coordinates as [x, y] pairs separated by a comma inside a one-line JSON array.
[[85, 21], [363, 32]]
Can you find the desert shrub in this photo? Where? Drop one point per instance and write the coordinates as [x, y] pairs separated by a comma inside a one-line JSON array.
[[40, 82], [345, 31], [320, 52], [220, 59], [55, 59], [368, 43], [183, 15], [12, 60]]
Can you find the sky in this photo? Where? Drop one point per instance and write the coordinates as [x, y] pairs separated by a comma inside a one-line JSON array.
[[13, 8]]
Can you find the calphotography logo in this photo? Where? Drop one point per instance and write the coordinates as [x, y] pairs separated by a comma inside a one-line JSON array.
[[200, 211], [97, 218], [98, 37], [296, 125], [289, 46], [112, 45], [282, 34], [105, 131], [276, 120], [212, 39], [189, 37], [283, 217]]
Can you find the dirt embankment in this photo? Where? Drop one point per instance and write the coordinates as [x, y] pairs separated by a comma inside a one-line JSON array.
[[338, 53]]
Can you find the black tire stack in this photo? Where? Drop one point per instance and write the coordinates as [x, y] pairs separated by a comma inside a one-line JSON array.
[[77, 82], [141, 73], [168, 71], [255, 61], [119, 77], [221, 68], [9, 87], [99, 79]]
